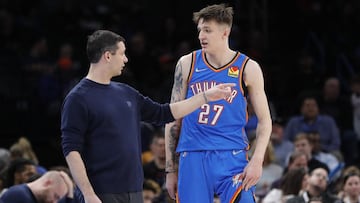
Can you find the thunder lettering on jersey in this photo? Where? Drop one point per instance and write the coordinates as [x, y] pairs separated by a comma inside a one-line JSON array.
[[217, 125]]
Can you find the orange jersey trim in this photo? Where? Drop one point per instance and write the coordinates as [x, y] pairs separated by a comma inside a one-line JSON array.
[[237, 192], [222, 68], [192, 67]]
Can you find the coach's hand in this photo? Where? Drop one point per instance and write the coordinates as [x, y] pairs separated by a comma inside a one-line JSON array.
[[92, 199], [171, 184]]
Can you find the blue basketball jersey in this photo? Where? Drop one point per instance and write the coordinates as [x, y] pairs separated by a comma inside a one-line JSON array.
[[217, 125]]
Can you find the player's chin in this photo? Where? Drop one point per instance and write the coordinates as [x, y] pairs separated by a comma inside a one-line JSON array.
[[205, 49]]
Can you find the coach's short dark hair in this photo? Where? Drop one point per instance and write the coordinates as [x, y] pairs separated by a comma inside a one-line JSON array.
[[101, 41]]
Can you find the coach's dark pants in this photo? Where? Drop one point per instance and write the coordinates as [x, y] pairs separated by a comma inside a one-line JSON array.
[[131, 197]]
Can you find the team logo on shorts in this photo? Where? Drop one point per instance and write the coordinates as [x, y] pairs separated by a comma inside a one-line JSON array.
[[233, 72], [236, 180]]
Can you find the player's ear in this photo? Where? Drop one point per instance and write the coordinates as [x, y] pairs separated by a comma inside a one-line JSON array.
[[226, 32]]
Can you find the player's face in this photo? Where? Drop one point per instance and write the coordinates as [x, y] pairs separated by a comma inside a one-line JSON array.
[[211, 35], [119, 59]]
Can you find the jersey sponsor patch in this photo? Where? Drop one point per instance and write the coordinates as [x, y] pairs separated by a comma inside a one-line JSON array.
[[233, 72]]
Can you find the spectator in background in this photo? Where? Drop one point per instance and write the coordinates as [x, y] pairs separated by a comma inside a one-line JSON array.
[[303, 143], [49, 188], [355, 102], [338, 106], [23, 149], [19, 171], [155, 169], [282, 147], [151, 191], [350, 192], [335, 166], [334, 104], [297, 160], [311, 121], [316, 188], [292, 184], [4, 159], [338, 186]]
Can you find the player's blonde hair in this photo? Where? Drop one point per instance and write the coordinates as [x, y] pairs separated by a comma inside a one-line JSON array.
[[218, 12]]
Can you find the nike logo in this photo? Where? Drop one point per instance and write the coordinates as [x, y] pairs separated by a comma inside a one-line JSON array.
[[235, 152], [199, 70]]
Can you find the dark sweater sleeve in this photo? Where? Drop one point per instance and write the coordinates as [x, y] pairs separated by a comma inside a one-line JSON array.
[[73, 124], [154, 112]]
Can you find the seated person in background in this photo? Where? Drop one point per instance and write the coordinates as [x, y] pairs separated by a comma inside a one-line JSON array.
[[23, 149], [296, 160], [303, 144], [155, 169], [50, 187], [316, 188], [311, 121], [292, 183], [19, 171], [151, 190], [351, 188], [282, 147], [335, 166], [347, 185]]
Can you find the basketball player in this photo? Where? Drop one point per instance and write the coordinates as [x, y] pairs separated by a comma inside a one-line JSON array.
[[213, 144]]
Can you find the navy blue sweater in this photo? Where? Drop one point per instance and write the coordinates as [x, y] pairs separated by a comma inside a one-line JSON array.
[[102, 123], [18, 194]]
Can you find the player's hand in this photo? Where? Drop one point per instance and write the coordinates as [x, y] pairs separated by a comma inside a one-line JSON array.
[[221, 91], [171, 184], [251, 174]]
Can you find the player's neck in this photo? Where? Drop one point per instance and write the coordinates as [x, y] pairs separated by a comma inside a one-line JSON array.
[[220, 58]]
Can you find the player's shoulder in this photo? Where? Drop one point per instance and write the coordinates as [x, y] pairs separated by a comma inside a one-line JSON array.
[[252, 63], [186, 58], [184, 63]]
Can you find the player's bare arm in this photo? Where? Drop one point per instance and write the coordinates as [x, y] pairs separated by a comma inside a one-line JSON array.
[[172, 130], [254, 81], [178, 94]]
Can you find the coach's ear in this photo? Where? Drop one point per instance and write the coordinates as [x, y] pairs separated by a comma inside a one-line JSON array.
[[107, 56]]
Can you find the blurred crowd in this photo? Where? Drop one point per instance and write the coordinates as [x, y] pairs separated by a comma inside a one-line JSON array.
[[309, 51]]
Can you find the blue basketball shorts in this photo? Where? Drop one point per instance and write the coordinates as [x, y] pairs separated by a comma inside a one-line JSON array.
[[202, 174]]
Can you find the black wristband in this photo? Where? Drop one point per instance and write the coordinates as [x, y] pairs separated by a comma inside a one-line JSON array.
[[170, 171]]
